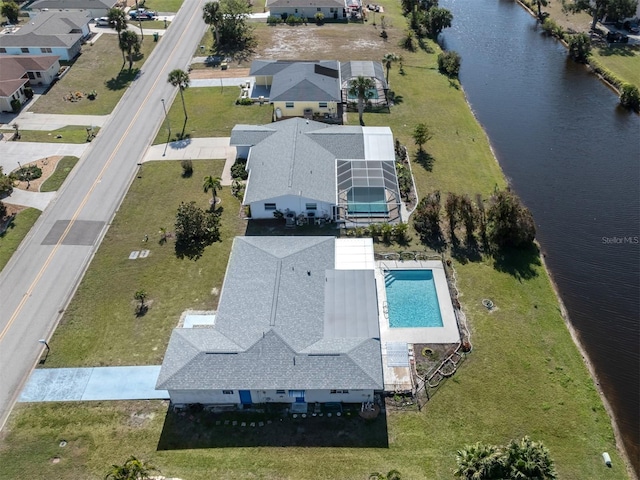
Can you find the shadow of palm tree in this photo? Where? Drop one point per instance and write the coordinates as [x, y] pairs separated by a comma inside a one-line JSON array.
[[122, 80], [425, 160]]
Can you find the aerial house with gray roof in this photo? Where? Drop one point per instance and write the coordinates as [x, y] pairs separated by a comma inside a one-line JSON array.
[[294, 324], [329, 172]]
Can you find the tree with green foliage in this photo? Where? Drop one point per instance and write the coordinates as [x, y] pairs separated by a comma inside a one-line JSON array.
[[11, 10], [435, 20], [599, 9], [421, 135], [426, 218], [236, 34], [388, 60], [132, 469], [212, 16], [478, 462], [130, 43], [179, 78], [6, 184], [526, 459], [3, 210], [449, 63], [510, 224], [118, 21], [579, 47], [195, 229], [630, 97], [540, 4], [141, 296], [214, 184], [469, 216], [452, 210], [361, 88]]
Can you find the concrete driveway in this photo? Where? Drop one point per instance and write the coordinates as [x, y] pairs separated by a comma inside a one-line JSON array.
[[24, 152], [99, 383], [48, 122], [39, 200]]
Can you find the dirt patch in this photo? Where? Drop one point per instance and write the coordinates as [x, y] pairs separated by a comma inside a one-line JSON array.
[[47, 165], [207, 73], [428, 357]]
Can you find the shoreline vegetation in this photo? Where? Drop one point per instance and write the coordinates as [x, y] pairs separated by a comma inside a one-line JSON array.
[[526, 376]]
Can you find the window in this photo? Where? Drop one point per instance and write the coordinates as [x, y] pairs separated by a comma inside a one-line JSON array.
[[227, 392], [3, 50], [38, 74], [339, 391], [269, 206], [46, 50], [322, 104], [280, 392], [24, 50], [319, 9], [331, 9], [31, 75], [296, 11], [311, 206], [289, 105]]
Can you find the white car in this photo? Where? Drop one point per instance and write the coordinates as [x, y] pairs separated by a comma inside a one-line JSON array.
[[102, 21]]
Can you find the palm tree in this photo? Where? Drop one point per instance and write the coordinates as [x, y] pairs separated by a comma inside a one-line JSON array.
[[212, 16], [130, 43], [141, 296], [132, 469], [179, 78], [118, 21], [387, 61], [214, 184], [541, 3], [479, 462], [362, 88], [529, 459], [391, 475]]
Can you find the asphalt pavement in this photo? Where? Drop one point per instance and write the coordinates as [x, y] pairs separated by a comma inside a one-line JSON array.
[[41, 277]]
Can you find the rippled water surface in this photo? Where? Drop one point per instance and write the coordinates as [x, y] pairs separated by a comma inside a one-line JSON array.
[[573, 156]]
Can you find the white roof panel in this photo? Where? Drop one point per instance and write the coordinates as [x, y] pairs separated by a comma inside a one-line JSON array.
[[378, 143], [354, 254]]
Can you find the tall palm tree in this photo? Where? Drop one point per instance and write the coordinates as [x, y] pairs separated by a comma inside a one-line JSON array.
[[214, 184], [212, 16], [387, 61], [179, 78], [132, 469], [118, 21], [130, 43], [361, 87]]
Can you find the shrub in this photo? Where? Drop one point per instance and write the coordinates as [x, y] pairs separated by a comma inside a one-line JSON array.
[[187, 168], [238, 170], [6, 183], [16, 105], [319, 17], [579, 47], [408, 42], [449, 63], [30, 172], [630, 97], [244, 101], [510, 223], [552, 28], [273, 20], [426, 218], [291, 20]]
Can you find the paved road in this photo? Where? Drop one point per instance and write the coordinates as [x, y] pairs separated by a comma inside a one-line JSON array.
[[38, 282]]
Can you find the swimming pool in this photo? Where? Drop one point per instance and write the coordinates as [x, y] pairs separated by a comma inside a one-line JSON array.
[[412, 299]]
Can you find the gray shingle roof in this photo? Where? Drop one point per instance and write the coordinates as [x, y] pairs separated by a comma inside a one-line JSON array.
[[314, 81], [48, 29], [288, 162], [269, 330], [72, 4]]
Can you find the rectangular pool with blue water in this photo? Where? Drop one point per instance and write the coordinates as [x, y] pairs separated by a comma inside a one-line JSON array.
[[412, 299]]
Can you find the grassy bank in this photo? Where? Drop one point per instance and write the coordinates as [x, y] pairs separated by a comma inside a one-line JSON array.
[[624, 62], [19, 228], [212, 112], [99, 68], [55, 181], [524, 376]]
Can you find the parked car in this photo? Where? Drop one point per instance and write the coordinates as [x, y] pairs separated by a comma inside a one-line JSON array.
[[102, 21], [142, 14]]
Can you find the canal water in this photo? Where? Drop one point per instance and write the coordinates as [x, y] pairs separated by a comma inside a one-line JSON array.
[[573, 156]]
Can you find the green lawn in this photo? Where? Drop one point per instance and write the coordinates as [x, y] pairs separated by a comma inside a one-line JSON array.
[[163, 5], [68, 134], [97, 68], [11, 238], [63, 169], [524, 377], [104, 308], [623, 61], [212, 112]]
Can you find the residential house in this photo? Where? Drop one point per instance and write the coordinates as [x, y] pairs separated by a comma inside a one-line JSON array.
[[49, 33], [332, 9], [299, 89], [20, 71], [331, 172], [93, 8], [292, 326]]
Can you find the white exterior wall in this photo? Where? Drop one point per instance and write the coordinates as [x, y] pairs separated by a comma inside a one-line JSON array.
[[294, 203], [298, 108], [216, 397], [5, 102], [63, 53], [308, 12]]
